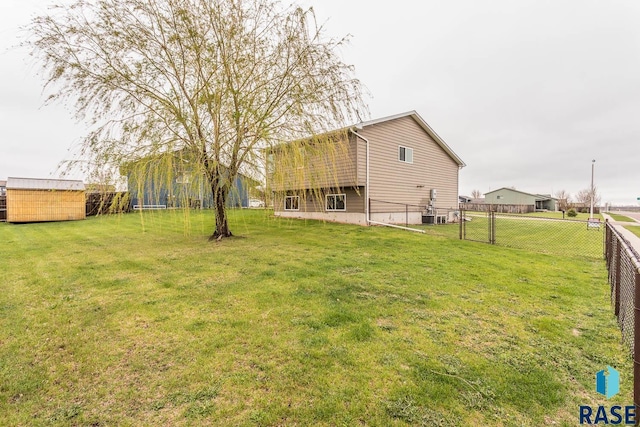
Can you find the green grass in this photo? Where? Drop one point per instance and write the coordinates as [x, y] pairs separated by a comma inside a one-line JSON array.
[[562, 238], [549, 214], [138, 320], [622, 218]]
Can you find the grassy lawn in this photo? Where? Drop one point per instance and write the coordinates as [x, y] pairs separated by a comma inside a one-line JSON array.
[[553, 215], [558, 215], [138, 320], [563, 238], [618, 217]]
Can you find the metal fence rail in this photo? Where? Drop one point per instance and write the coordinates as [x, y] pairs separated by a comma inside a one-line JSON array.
[[623, 263], [409, 214], [538, 234]]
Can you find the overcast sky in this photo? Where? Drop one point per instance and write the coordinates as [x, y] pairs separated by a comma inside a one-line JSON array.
[[527, 93]]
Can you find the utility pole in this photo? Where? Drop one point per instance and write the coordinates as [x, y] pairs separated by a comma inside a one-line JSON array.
[[592, 196]]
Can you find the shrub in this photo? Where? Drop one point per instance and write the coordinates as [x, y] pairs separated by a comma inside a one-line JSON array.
[[572, 213]]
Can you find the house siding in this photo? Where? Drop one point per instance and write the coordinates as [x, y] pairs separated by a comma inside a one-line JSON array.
[[337, 167], [394, 181], [315, 201], [509, 197]]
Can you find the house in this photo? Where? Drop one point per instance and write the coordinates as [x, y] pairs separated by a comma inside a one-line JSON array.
[[511, 200], [391, 170], [162, 184], [39, 200]]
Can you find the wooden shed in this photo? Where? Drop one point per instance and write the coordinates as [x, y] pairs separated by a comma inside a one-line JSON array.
[[38, 200]]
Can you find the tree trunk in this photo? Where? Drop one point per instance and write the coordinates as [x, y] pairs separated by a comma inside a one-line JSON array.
[[220, 202]]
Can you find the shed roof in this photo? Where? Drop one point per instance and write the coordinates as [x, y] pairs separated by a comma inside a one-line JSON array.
[[44, 184]]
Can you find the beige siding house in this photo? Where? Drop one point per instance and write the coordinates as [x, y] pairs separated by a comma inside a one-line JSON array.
[[391, 170]]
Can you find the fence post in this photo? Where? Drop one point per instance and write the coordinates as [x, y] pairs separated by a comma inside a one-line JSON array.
[[636, 340], [616, 278], [406, 215], [493, 228], [461, 223]]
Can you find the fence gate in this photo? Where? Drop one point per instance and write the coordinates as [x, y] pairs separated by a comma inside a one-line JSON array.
[[534, 233], [478, 226]]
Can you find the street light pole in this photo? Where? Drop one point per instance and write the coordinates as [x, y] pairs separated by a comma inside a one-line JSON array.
[[592, 196]]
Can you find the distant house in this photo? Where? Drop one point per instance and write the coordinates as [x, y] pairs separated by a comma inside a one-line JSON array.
[[512, 200], [393, 170], [39, 200], [155, 185]]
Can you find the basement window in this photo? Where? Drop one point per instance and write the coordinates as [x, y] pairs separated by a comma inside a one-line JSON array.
[[292, 203], [336, 202], [405, 154]]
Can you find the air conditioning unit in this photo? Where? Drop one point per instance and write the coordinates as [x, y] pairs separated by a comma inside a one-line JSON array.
[[434, 193]]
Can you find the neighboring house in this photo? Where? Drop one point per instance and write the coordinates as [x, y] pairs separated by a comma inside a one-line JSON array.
[[3, 188], [392, 170], [519, 200], [39, 200], [177, 188]]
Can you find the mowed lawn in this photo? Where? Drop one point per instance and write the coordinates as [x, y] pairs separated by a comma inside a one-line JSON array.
[[139, 320]]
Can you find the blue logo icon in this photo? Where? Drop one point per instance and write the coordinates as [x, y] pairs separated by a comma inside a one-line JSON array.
[[608, 382]]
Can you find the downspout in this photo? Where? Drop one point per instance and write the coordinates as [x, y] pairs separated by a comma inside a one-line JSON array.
[[366, 187]]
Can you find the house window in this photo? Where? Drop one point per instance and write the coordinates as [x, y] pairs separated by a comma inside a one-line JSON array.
[[292, 203], [405, 154], [183, 178], [336, 202]]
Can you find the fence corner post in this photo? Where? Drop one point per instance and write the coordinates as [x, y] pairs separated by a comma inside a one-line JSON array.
[[636, 341]]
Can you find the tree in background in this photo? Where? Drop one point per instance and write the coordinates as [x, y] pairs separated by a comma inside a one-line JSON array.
[[476, 194], [564, 199], [585, 196], [217, 81]]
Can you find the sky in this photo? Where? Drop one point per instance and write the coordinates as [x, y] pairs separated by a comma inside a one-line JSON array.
[[527, 92]]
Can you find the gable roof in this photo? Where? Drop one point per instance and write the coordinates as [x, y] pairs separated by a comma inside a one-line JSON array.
[[44, 184], [424, 125], [537, 196]]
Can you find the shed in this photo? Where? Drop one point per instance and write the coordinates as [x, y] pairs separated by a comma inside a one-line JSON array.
[[39, 200]]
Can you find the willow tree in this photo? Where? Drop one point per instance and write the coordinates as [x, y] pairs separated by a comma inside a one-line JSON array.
[[218, 81]]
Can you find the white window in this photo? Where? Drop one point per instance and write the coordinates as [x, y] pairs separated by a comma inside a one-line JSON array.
[[336, 202], [292, 203], [405, 154], [183, 178]]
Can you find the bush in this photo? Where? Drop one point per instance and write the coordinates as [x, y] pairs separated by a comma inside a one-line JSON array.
[[572, 213]]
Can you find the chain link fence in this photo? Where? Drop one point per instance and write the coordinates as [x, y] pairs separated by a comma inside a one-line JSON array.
[[410, 215], [623, 263], [534, 233]]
